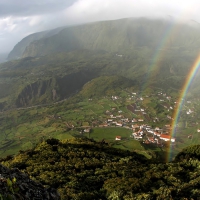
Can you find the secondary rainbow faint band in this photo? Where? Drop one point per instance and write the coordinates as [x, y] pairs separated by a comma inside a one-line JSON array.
[[180, 102], [170, 33]]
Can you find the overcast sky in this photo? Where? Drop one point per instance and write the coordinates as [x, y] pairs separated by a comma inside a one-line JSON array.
[[19, 18]]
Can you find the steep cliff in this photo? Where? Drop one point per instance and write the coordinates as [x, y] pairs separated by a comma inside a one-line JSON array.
[[54, 89]]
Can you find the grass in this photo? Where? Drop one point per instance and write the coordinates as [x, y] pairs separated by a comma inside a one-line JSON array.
[[29, 126], [110, 133]]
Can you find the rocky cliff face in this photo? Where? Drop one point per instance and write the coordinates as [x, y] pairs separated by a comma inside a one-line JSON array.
[[17, 185], [38, 92], [54, 89]]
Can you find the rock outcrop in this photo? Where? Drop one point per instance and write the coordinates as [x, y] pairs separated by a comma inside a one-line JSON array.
[[17, 185]]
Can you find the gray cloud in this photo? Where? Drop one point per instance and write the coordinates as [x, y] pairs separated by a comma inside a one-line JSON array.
[[35, 7], [19, 18]]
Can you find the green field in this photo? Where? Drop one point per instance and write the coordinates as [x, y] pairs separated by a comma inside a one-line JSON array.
[[24, 128]]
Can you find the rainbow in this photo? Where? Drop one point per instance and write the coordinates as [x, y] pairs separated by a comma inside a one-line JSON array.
[[170, 33], [184, 91]]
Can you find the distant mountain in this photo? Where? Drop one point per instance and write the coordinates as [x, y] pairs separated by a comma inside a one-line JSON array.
[[19, 48], [124, 36]]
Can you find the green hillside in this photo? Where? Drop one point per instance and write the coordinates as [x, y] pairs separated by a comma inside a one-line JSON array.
[[39, 80], [85, 169], [106, 86], [73, 56]]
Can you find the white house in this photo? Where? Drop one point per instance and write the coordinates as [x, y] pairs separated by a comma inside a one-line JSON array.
[[118, 138]]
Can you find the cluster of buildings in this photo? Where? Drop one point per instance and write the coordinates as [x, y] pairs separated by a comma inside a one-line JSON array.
[[152, 136], [144, 132]]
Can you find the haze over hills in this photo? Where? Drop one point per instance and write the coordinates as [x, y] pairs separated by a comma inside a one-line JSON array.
[[3, 57], [20, 47], [121, 36]]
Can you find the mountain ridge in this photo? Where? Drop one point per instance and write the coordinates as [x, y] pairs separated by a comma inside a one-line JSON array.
[[121, 36]]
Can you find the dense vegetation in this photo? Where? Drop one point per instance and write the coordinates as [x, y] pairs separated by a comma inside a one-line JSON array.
[[85, 169]]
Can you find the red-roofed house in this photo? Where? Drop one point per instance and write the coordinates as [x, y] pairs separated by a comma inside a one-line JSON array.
[[167, 138], [118, 138]]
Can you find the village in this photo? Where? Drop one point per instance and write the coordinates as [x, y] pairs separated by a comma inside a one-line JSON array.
[[147, 128]]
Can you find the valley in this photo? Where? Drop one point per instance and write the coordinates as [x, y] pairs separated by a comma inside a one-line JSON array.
[[102, 119]]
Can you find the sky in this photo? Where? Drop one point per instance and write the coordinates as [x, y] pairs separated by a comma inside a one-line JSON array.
[[20, 18]]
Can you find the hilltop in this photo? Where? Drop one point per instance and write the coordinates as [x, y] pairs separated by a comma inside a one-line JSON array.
[[85, 169], [123, 36]]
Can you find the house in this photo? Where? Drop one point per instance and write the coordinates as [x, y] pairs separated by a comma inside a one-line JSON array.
[[189, 112], [135, 126], [140, 132], [103, 125], [125, 120], [119, 124], [87, 130], [118, 138], [150, 131], [167, 138], [156, 134], [136, 136], [173, 139], [169, 117], [112, 116], [151, 139]]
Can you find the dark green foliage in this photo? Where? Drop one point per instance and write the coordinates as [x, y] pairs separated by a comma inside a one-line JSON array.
[[191, 152], [85, 169], [52, 141]]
